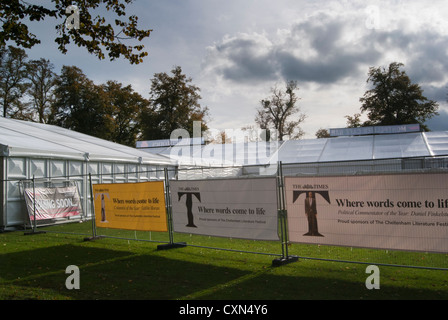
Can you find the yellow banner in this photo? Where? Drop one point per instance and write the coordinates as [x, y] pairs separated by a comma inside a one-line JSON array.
[[131, 206]]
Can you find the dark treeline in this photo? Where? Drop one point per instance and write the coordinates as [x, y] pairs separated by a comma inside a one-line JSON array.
[[31, 90]]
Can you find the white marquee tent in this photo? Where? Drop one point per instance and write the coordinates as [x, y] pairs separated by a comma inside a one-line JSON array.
[[54, 155], [337, 155]]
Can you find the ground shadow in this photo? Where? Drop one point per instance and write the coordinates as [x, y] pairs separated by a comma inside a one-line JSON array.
[[107, 274], [279, 287], [110, 274]]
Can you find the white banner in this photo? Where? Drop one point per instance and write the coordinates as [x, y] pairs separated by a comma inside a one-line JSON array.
[[236, 208], [405, 212]]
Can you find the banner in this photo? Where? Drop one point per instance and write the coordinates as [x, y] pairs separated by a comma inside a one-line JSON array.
[[51, 203], [237, 208], [130, 206], [404, 212]]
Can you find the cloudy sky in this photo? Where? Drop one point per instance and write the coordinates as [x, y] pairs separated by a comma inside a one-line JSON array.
[[237, 50]]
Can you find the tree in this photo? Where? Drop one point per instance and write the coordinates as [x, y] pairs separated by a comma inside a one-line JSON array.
[[124, 108], [12, 80], [174, 105], [108, 111], [80, 105], [322, 133], [94, 33], [355, 121], [394, 99], [277, 111], [42, 82]]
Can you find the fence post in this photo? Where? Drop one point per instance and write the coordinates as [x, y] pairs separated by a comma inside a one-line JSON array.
[[168, 206], [171, 244], [34, 204], [92, 208], [282, 212], [34, 227]]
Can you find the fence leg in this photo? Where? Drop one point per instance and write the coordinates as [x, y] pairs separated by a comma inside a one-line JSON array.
[[286, 258], [171, 244], [34, 229], [92, 208]]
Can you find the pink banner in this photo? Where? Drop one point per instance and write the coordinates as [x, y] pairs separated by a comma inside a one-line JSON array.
[[51, 203]]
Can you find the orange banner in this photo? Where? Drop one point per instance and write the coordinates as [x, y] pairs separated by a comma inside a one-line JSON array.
[[131, 206]]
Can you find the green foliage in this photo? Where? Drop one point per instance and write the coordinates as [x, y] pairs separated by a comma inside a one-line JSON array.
[[80, 105], [394, 99], [42, 80], [278, 110], [322, 133], [109, 111], [95, 33], [12, 80], [355, 121], [124, 107], [30, 90], [174, 105]]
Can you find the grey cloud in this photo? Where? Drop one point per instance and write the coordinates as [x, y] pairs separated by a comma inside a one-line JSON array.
[[426, 58], [425, 50], [439, 123], [429, 62], [322, 32], [313, 51], [335, 58], [320, 50], [392, 39], [293, 67], [247, 60], [329, 70], [437, 93]]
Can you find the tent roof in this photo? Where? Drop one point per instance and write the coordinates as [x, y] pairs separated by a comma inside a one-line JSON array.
[[347, 148], [390, 146], [230, 154], [30, 139]]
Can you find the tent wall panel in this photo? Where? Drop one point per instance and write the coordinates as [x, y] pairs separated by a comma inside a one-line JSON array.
[[55, 156]]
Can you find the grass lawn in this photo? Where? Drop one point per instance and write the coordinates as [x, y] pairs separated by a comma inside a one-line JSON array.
[[33, 267]]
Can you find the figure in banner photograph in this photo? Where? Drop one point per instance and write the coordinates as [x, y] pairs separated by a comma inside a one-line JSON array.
[[103, 205], [311, 208], [103, 209], [311, 214]]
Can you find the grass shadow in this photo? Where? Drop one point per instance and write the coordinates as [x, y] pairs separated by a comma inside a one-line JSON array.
[[325, 284], [105, 274]]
